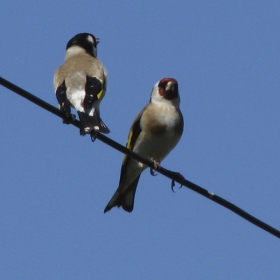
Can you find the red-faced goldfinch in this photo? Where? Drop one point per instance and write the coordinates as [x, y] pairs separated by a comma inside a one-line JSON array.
[[154, 133], [81, 83]]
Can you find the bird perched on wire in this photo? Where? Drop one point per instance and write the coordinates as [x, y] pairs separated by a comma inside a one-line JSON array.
[[81, 83], [154, 133]]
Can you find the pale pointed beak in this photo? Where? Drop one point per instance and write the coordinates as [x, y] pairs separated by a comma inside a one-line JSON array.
[[169, 86]]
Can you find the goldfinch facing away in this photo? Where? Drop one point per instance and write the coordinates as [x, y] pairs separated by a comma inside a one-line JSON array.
[[154, 133], [81, 83]]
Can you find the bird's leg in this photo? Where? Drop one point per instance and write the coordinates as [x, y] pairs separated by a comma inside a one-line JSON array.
[[156, 166]]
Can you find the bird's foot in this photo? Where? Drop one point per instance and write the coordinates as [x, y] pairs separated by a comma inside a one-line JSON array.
[[156, 166], [179, 177], [173, 185]]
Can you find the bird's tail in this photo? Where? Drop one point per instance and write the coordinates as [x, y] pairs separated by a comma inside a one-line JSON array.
[[125, 199], [89, 123]]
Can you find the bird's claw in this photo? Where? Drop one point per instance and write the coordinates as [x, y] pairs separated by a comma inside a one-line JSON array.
[[172, 185], [156, 166], [179, 178], [152, 172]]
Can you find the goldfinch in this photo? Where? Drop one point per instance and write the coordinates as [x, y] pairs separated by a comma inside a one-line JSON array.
[[81, 83], [154, 133]]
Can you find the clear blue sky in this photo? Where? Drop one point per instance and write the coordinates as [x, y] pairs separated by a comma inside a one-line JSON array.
[[55, 183]]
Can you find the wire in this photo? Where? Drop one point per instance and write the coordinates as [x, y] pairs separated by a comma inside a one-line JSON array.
[[174, 176]]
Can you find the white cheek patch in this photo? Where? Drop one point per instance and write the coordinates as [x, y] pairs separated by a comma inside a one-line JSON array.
[[90, 39]]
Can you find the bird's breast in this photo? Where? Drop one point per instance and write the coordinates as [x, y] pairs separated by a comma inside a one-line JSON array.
[[160, 119], [159, 133]]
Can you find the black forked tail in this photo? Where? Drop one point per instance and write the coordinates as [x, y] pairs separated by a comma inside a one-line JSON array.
[[89, 123], [94, 92], [125, 199]]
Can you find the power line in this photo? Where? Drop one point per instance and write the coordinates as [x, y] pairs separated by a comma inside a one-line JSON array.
[[174, 176]]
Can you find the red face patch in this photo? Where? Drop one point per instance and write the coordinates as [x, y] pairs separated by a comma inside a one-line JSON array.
[[168, 88]]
